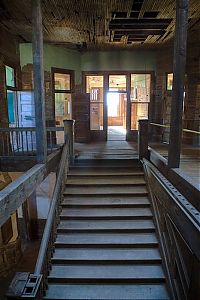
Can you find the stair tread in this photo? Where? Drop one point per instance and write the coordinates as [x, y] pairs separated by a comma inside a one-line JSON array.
[[107, 292], [124, 254], [131, 271], [93, 212], [106, 224], [106, 190], [102, 181], [106, 238], [98, 200]]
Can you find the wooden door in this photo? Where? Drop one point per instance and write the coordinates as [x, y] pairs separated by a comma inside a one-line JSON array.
[[81, 115]]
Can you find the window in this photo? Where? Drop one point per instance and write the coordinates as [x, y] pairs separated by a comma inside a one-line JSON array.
[[169, 81], [117, 83], [10, 76], [94, 86], [11, 95], [140, 98], [62, 88]]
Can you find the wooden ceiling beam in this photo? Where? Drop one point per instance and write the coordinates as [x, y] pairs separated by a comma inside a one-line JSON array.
[[140, 21], [138, 26], [140, 32]]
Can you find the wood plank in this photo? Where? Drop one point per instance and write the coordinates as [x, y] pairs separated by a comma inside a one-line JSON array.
[[106, 212], [124, 180], [106, 254], [100, 273], [12, 197], [92, 239], [78, 226], [109, 292], [106, 190], [106, 200]]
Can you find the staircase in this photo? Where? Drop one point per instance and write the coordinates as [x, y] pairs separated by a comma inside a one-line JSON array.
[[106, 246]]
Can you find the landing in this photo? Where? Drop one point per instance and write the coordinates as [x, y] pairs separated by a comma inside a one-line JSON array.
[[106, 150]]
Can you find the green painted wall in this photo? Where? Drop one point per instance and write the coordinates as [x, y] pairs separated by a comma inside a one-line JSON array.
[[60, 57], [54, 56], [137, 60]]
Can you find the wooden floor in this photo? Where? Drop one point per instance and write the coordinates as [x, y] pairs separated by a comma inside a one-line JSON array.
[[106, 150], [190, 160], [190, 157]]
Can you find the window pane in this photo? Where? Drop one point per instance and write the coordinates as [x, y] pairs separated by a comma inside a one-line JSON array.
[[11, 106], [140, 87], [96, 116], [138, 111], [117, 82], [62, 107], [62, 81], [169, 81], [10, 76], [94, 86], [93, 82]]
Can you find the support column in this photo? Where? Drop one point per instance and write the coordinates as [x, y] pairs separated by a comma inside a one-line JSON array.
[[39, 94], [69, 136], [180, 45], [143, 139]]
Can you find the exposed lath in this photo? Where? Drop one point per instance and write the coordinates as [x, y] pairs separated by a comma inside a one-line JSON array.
[[98, 24]]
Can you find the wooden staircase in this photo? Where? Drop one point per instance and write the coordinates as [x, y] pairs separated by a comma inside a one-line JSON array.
[[106, 246]]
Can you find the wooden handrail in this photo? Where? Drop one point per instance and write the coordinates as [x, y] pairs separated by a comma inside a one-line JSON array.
[[168, 126], [19, 129], [51, 219]]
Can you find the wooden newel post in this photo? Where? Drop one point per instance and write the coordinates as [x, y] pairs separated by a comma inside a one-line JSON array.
[[143, 139], [69, 136]]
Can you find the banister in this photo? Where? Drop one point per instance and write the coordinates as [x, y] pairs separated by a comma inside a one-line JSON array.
[[51, 215], [168, 126]]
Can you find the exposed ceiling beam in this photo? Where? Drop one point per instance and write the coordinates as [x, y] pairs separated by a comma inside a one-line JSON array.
[[140, 32], [140, 21], [138, 26]]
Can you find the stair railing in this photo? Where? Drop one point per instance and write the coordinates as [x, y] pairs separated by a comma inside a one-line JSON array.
[[27, 285], [178, 226]]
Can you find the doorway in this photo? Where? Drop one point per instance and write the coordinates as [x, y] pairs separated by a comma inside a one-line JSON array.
[[116, 114]]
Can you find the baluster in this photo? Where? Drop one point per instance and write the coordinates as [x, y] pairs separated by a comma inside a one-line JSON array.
[[26, 134], [8, 144], [12, 142], [32, 141], [17, 141], [51, 142], [22, 134], [3, 146]]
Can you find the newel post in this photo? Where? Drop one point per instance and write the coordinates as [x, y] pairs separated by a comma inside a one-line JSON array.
[[69, 136], [143, 139]]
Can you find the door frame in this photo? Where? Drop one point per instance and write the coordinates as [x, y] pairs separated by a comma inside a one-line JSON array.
[[131, 135]]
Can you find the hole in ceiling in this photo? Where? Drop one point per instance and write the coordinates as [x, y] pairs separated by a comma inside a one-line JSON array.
[[137, 5], [150, 14], [119, 15], [134, 14]]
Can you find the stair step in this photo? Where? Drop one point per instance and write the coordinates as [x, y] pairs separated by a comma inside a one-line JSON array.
[[98, 174], [105, 181], [136, 201], [106, 292], [106, 212], [129, 240], [134, 163], [105, 190], [115, 225], [80, 273], [114, 255]]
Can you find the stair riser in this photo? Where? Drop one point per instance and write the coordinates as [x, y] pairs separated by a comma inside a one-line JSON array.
[[106, 281], [137, 230], [104, 262], [106, 218], [111, 245], [105, 205]]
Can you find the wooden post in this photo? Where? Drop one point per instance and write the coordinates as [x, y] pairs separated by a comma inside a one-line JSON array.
[[69, 136], [180, 44], [143, 139], [38, 69]]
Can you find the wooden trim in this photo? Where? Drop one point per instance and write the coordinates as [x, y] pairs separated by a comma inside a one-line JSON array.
[[12, 197], [106, 74]]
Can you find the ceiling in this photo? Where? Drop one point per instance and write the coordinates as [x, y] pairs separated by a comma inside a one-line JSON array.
[[99, 24]]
